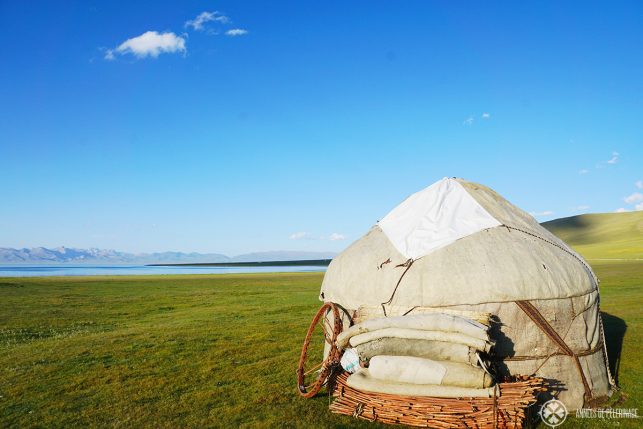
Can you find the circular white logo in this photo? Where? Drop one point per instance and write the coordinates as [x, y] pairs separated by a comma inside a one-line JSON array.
[[553, 413]]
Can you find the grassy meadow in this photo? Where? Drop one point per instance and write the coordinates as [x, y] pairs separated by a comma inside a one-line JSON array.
[[204, 350]]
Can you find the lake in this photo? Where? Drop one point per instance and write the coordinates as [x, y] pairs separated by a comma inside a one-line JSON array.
[[122, 270]]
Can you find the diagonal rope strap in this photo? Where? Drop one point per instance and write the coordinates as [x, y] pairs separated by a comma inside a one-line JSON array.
[[406, 265], [533, 313], [610, 377]]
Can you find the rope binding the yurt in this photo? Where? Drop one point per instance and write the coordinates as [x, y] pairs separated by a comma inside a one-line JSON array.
[[532, 312], [574, 255], [407, 265], [359, 409], [495, 406], [603, 345], [388, 261]]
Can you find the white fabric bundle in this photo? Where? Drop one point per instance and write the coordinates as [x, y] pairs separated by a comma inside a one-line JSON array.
[[362, 380], [425, 322], [414, 370], [416, 334], [436, 350]]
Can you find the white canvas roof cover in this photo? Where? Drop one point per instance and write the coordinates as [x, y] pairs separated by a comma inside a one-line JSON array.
[[435, 217]]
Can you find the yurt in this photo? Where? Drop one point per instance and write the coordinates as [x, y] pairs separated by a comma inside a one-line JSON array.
[[458, 247]]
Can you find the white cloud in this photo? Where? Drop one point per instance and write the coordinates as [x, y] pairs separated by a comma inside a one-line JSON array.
[[639, 184], [638, 207], [543, 213], [634, 198], [236, 32], [486, 115], [336, 236], [614, 158], [300, 236], [621, 210], [149, 44], [468, 121], [583, 171], [581, 208], [198, 23]]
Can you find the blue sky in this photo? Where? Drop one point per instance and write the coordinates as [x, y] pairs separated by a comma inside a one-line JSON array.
[[295, 125]]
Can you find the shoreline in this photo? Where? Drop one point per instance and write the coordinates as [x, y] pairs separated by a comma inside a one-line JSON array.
[[182, 270], [299, 263], [11, 279]]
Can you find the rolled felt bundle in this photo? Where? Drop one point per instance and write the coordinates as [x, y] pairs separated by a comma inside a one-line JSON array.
[[367, 312], [440, 322], [436, 350], [416, 334], [414, 370], [362, 380]]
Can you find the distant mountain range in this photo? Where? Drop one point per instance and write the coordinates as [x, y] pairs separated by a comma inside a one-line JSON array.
[[66, 255]]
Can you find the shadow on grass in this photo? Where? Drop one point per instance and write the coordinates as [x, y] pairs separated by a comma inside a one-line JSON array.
[[615, 328]]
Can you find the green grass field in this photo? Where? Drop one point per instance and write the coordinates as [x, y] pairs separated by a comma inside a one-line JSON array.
[[201, 351]]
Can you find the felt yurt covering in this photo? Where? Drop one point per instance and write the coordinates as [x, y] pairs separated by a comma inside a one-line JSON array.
[[459, 247]]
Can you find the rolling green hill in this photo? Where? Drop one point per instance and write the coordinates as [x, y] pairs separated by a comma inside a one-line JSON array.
[[602, 235]]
